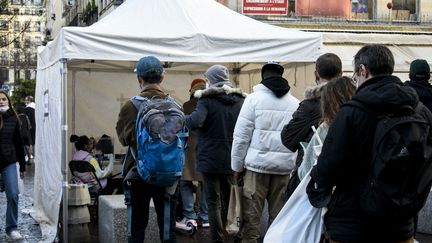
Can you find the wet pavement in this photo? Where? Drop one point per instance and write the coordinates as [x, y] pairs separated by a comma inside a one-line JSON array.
[[32, 234]]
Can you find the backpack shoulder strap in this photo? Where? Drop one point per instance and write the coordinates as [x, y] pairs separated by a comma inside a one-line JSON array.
[[137, 100], [169, 98]]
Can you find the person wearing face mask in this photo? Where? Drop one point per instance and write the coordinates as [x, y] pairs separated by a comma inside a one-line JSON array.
[[11, 151], [346, 158]]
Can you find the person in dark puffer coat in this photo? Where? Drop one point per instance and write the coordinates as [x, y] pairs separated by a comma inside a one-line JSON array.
[[11, 151], [215, 117]]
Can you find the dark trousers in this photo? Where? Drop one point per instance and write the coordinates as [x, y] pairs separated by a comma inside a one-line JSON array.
[[139, 197], [217, 189]]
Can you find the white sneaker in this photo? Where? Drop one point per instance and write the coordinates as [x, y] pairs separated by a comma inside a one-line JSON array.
[[14, 235], [186, 221]]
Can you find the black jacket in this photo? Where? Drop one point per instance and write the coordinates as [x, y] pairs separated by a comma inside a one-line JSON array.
[[345, 163], [11, 145], [25, 129], [30, 112], [215, 117], [308, 114], [424, 91]]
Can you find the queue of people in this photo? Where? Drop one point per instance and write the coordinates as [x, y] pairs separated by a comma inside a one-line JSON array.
[[268, 139], [258, 138]]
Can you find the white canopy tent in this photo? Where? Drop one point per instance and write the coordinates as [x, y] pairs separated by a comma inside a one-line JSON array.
[[86, 73]]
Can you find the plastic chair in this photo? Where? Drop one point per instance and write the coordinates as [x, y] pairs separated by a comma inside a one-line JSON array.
[[82, 166]]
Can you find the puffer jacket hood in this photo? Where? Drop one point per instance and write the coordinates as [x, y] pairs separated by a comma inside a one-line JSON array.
[[222, 94], [386, 94], [277, 84], [314, 92]]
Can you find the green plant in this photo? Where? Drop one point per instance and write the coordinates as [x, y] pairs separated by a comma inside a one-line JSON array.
[[22, 89], [93, 8], [3, 5]]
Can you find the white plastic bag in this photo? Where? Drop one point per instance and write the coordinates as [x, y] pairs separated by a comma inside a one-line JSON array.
[[298, 221], [234, 215]]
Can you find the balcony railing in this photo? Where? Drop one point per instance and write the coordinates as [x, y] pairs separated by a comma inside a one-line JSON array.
[[425, 19]]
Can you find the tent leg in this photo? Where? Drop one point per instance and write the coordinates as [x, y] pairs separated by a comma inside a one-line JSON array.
[[64, 166]]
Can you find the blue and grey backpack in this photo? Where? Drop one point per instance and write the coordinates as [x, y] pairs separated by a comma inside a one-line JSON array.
[[161, 139]]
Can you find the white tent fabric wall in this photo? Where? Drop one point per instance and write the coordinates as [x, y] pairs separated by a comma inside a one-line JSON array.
[[47, 185]]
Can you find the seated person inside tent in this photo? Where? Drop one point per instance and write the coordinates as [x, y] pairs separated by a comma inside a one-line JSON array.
[[84, 145]]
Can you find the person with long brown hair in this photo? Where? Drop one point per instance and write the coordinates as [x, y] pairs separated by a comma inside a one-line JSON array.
[[11, 151], [333, 95]]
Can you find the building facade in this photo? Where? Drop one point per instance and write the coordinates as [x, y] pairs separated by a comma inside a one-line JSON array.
[[76, 13], [22, 27], [362, 12], [369, 21]]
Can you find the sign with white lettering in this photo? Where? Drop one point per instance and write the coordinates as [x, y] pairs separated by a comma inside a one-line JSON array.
[[265, 7]]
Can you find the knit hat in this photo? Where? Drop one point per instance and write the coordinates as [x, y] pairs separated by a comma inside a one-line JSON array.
[[419, 70], [197, 84], [217, 75], [148, 67]]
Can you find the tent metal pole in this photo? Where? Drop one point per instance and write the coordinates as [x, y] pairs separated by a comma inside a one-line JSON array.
[[64, 166]]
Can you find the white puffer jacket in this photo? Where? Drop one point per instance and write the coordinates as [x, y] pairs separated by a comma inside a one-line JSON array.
[[257, 142]]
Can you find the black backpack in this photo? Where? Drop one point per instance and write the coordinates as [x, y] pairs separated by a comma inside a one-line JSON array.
[[400, 177]]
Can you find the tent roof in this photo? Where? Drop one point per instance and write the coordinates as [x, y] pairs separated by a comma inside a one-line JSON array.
[[181, 31]]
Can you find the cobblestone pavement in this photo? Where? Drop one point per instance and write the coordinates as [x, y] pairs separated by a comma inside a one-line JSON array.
[[26, 224]]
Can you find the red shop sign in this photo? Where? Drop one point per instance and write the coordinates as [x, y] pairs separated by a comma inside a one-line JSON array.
[[265, 7]]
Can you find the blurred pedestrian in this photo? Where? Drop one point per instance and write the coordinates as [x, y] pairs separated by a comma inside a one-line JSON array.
[[30, 112], [26, 134]]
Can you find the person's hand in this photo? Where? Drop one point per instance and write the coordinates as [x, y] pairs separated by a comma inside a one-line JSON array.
[[238, 178], [22, 174]]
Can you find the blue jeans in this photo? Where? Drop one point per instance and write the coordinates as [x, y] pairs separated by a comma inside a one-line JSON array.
[[186, 191], [10, 180]]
